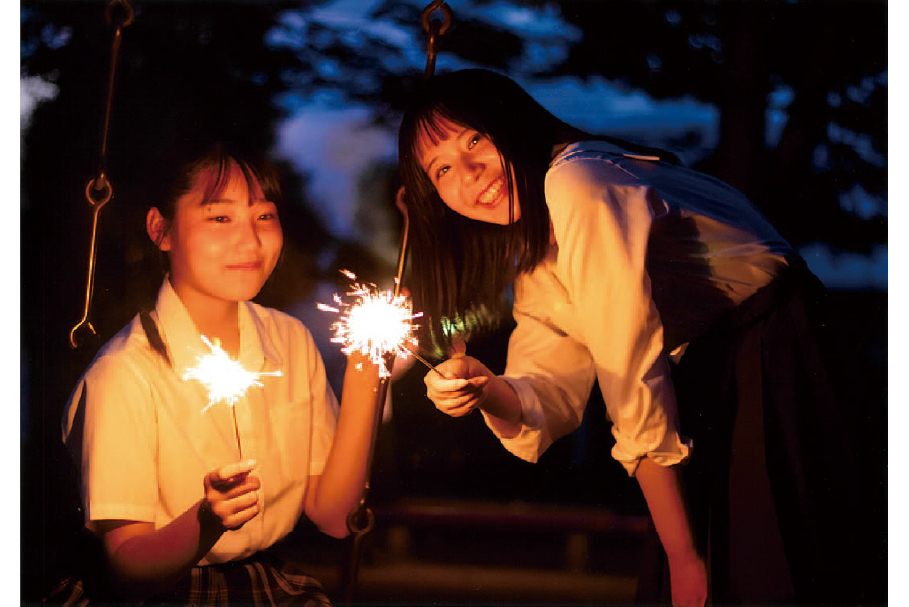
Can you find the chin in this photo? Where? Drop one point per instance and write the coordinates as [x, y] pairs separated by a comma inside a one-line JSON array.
[[243, 293]]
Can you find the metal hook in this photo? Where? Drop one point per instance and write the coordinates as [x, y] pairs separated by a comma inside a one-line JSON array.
[[434, 29], [98, 191], [402, 253]]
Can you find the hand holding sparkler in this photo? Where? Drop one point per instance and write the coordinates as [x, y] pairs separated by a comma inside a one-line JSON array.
[[458, 387], [231, 495]]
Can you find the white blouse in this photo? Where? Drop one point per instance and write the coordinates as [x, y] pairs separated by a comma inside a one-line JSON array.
[[144, 437], [646, 256]]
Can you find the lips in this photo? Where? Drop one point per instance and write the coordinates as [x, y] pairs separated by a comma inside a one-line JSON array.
[[249, 265], [492, 192]]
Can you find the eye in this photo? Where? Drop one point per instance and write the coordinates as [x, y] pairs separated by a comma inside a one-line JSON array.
[[441, 171], [472, 143], [219, 219], [267, 212]]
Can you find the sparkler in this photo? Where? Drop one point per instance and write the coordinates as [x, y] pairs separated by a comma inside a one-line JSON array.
[[376, 323], [225, 379]]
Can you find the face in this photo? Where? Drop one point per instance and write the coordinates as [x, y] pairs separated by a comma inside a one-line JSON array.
[[466, 170], [223, 250]]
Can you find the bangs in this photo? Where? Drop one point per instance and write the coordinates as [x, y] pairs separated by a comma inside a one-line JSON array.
[[434, 127], [214, 175]]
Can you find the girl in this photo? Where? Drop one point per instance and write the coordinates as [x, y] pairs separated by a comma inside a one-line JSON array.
[[186, 494], [667, 287]]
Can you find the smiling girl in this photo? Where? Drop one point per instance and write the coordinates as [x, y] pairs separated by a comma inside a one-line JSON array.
[[669, 288], [187, 499]]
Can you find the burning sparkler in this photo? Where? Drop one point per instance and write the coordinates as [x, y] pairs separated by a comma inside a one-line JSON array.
[[225, 379], [376, 324]]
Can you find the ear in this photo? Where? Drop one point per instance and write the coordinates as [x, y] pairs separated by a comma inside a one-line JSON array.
[[157, 229]]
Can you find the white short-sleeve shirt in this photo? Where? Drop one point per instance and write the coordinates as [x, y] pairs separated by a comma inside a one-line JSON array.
[[144, 438]]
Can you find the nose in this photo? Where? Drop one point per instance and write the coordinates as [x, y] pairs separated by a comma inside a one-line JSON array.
[[472, 170], [248, 234]]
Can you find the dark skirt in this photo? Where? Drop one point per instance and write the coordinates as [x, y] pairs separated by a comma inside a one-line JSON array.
[[262, 580], [774, 482]]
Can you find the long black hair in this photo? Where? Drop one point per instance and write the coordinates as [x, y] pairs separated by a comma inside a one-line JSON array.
[[461, 268]]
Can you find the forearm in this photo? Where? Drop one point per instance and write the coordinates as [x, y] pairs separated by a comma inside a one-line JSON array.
[[142, 562], [342, 480], [662, 489]]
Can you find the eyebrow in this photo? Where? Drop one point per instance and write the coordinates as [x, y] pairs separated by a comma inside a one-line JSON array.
[[232, 201]]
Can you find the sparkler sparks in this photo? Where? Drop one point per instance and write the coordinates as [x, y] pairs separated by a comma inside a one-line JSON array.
[[226, 380], [376, 323]]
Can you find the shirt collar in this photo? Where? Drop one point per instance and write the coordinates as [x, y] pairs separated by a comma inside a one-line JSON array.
[[256, 344], [184, 341]]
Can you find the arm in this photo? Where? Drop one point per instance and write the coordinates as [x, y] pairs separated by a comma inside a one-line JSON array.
[[337, 490], [142, 560], [602, 216], [662, 489], [463, 384]]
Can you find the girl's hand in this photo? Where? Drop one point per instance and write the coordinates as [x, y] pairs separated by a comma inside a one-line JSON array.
[[461, 386], [688, 579], [231, 494]]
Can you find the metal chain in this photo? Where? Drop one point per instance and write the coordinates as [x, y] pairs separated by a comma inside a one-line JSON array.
[[98, 190]]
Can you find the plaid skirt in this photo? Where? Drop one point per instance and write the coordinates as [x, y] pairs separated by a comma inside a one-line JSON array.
[[262, 580], [774, 484]]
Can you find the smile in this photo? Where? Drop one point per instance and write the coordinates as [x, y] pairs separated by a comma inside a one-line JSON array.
[[492, 192], [251, 265]]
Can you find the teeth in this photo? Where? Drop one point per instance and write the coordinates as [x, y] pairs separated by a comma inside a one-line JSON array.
[[491, 193]]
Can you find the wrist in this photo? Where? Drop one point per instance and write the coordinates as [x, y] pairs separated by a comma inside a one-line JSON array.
[[209, 522]]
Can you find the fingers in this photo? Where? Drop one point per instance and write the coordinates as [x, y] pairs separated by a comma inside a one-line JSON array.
[[458, 407], [458, 348], [232, 493], [444, 384], [236, 512], [436, 383], [401, 200], [231, 474], [456, 397]]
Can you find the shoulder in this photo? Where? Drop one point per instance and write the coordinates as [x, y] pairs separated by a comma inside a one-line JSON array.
[[121, 377], [583, 177], [589, 163], [126, 357], [588, 180]]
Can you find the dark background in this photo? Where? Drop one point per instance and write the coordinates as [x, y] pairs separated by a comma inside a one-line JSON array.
[[185, 63]]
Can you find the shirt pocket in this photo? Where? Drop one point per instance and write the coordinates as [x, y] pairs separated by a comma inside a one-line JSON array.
[[292, 429]]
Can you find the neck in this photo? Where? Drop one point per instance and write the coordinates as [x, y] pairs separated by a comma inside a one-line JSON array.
[[221, 324], [215, 319]]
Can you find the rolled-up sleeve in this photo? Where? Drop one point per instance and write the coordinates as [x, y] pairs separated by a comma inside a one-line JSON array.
[[601, 219], [552, 375]]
